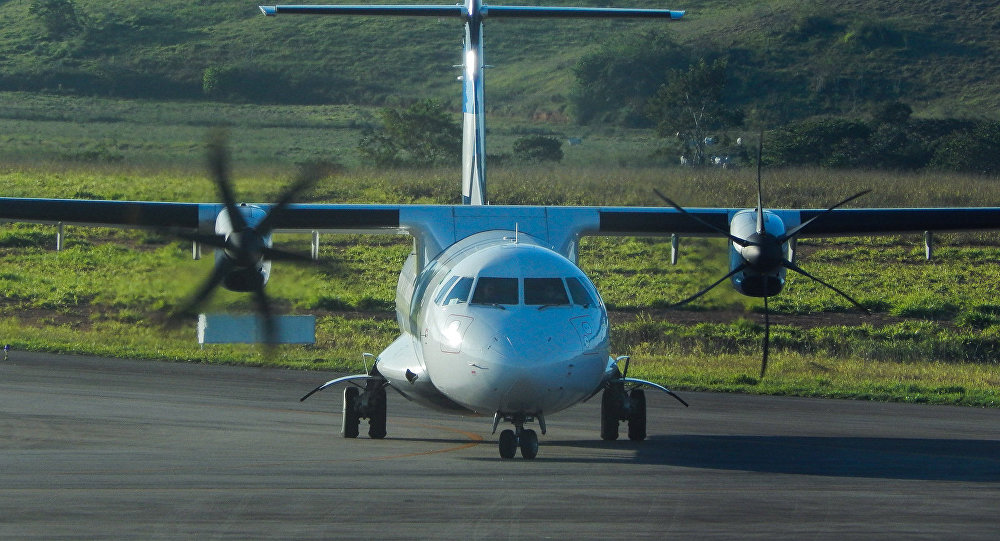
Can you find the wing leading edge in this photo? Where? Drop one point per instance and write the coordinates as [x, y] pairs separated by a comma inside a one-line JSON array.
[[836, 223], [451, 222], [192, 216]]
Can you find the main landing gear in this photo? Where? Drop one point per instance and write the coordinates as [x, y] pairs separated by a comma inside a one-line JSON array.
[[618, 405], [522, 438], [367, 404]]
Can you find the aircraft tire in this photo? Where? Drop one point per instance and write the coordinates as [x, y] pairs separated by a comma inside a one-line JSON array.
[[508, 444], [637, 415], [529, 444], [349, 428], [377, 414], [610, 412]]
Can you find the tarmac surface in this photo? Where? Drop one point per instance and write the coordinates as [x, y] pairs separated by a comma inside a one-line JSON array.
[[106, 448]]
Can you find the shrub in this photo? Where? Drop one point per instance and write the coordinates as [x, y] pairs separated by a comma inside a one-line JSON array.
[[422, 135], [538, 148]]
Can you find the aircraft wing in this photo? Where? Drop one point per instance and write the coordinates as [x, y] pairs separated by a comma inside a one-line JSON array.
[[838, 222], [101, 213], [448, 223], [192, 216]]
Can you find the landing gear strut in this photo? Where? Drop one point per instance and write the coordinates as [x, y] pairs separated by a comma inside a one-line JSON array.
[[368, 404], [618, 405], [524, 438]]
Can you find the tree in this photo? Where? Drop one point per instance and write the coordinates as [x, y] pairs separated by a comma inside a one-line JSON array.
[[423, 134], [893, 143], [691, 104], [538, 148], [59, 17], [615, 82], [972, 151], [829, 142]]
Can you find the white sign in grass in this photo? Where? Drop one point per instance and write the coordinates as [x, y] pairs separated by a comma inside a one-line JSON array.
[[249, 329]]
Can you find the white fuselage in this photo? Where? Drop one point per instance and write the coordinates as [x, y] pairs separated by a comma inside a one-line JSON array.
[[498, 323]]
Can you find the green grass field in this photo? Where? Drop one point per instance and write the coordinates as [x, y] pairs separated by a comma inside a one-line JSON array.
[[934, 335]]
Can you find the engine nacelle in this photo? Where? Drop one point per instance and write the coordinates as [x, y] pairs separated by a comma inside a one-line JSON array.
[[245, 274], [751, 282]]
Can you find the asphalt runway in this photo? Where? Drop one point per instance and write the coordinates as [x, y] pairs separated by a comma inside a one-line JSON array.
[[105, 448]]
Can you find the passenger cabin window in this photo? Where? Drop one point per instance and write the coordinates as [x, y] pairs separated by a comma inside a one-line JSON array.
[[495, 291], [579, 291], [545, 291], [460, 292]]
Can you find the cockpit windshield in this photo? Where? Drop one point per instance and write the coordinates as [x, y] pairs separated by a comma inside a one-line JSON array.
[[458, 294], [580, 294], [495, 291], [545, 291]]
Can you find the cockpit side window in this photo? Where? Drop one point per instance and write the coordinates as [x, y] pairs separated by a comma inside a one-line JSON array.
[[460, 292], [579, 291], [495, 291], [445, 289], [545, 291]]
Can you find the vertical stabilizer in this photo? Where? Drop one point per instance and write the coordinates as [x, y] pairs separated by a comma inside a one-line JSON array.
[[473, 13], [473, 109]]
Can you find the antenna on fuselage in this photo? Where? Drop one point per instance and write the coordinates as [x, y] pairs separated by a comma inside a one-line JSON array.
[[473, 13]]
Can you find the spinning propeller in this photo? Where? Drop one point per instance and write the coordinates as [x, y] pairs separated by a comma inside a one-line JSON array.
[[243, 237], [762, 255]]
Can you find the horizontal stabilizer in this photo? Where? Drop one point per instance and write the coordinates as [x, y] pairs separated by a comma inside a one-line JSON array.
[[404, 10], [485, 11], [570, 12]]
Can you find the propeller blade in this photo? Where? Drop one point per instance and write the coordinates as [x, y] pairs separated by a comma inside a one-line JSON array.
[[264, 314], [760, 190], [792, 266], [275, 254], [204, 291], [797, 229], [218, 164], [307, 178], [767, 337], [709, 288], [217, 241], [737, 240]]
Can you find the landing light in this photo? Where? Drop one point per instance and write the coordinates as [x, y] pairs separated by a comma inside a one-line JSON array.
[[453, 334]]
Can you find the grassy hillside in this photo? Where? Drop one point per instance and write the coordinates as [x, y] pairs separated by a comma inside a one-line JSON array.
[[788, 56]]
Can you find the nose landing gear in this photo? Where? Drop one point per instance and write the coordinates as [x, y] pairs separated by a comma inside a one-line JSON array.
[[524, 438]]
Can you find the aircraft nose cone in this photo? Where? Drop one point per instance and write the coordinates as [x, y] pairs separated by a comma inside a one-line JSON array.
[[531, 368]]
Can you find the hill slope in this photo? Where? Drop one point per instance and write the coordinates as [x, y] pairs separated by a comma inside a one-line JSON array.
[[789, 58]]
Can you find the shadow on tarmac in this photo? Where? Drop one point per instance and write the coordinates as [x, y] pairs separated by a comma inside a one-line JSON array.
[[879, 458]]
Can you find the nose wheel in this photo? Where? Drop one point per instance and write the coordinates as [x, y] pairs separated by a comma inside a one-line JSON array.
[[521, 438]]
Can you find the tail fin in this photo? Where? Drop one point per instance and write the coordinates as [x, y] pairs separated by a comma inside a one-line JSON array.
[[473, 12]]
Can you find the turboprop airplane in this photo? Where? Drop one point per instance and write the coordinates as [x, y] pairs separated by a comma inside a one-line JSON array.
[[496, 318]]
